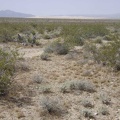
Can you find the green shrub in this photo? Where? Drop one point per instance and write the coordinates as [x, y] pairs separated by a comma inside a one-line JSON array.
[[61, 48], [74, 40], [110, 53], [98, 41], [49, 49], [47, 36], [58, 48], [6, 35], [7, 69]]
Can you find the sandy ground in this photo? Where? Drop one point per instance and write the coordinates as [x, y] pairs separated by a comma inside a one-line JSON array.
[[56, 71], [30, 52]]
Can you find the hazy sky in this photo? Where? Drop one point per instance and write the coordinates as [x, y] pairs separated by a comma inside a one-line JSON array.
[[62, 7]]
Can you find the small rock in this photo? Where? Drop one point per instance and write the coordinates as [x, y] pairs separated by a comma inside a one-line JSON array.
[[95, 113]]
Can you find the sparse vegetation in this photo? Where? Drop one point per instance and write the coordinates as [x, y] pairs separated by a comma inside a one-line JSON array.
[[69, 66]]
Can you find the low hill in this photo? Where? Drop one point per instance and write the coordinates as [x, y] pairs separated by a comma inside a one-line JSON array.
[[9, 13]]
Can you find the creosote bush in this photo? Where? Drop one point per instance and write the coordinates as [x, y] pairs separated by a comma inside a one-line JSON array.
[[7, 69], [108, 54], [58, 48]]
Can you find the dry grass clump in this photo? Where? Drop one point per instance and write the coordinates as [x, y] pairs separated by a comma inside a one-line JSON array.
[[105, 99], [86, 86], [22, 66], [104, 111], [52, 106], [45, 89], [87, 104], [37, 78], [83, 85], [88, 114], [44, 56]]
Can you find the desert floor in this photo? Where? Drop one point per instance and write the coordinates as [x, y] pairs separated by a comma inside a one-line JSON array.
[[45, 99]]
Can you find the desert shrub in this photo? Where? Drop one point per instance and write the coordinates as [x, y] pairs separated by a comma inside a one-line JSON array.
[[61, 48], [47, 36], [22, 66], [109, 37], [104, 111], [87, 104], [82, 85], [37, 78], [53, 106], [74, 40], [45, 89], [105, 99], [85, 85], [58, 48], [88, 114], [90, 47], [49, 49], [7, 69], [44, 56], [38, 42], [65, 87], [110, 54], [98, 41], [6, 35], [92, 31]]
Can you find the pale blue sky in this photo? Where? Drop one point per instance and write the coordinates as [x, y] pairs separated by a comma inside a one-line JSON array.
[[62, 7]]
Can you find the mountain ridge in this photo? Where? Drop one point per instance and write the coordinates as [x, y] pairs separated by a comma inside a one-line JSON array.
[[9, 13]]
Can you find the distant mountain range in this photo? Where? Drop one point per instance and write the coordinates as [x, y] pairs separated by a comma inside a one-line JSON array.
[[9, 13]]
